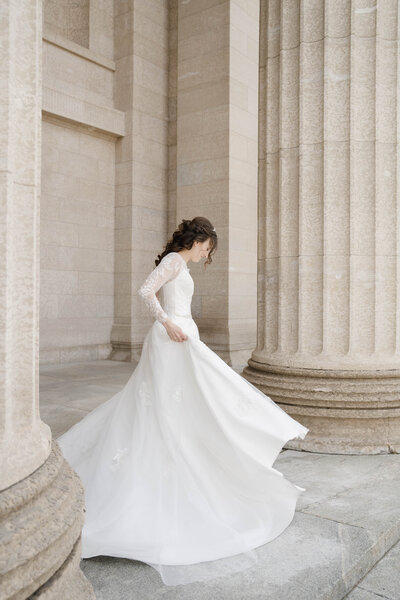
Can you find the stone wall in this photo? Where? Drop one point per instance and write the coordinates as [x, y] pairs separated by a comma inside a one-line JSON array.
[[68, 18], [216, 163], [151, 120], [80, 126], [141, 195], [77, 244]]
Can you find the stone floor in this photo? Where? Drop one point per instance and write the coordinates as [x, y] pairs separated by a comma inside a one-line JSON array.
[[346, 521], [382, 581]]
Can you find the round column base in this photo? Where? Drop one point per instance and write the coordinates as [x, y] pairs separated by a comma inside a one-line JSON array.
[[347, 412], [41, 519]]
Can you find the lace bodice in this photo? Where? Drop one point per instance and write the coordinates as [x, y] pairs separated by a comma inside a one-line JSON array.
[[172, 275]]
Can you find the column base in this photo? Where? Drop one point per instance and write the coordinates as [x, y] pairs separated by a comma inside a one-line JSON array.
[[347, 412], [126, 352], [41, 518]]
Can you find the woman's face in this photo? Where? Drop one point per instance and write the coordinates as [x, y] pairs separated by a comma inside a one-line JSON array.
[[200, 250]]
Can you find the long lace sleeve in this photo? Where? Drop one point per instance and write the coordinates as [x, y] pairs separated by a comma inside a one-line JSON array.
[[167, 269]]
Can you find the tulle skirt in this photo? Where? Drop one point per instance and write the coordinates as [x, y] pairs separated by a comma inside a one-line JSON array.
[[177, 466]]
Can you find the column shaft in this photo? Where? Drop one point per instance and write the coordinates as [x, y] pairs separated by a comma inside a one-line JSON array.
[[329, 302], [41, 499], [25, 441]]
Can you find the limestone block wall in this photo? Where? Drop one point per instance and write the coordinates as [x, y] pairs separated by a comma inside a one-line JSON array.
[[141, 91], [216, 162], [88, 23], [154, 117], [243, 166], [75, 75], [202, 155], [69, 18], [77, 244], [80, 126], [172, 115], [101, 27]]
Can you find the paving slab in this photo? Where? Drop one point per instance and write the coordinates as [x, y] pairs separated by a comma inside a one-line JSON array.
[[383, 581], [346, 521]]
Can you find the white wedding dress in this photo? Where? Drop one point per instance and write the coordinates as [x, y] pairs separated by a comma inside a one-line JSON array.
[[177, 466]]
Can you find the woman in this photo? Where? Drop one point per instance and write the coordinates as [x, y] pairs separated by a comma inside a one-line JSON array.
[[177, 466]]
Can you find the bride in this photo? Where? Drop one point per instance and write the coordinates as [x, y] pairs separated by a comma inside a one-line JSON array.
[[177, 466]]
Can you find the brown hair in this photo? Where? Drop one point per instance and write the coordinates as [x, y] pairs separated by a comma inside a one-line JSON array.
[[198, 229]]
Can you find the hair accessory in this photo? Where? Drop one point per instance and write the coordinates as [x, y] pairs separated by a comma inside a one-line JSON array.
[[213, 228]]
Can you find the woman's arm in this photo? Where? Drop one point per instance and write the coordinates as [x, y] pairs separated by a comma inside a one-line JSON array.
[[166, 270]]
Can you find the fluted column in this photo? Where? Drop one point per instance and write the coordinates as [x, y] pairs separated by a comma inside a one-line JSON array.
[[329, 304], [41, 499]]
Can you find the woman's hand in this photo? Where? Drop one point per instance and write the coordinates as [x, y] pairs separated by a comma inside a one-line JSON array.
[[174, 331]]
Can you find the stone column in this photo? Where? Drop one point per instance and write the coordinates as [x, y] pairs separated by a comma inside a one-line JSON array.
[[328, 345], [141, 91], [216, 162], [41, 502]]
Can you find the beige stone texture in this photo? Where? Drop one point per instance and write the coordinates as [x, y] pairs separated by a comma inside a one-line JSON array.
[[69, 19], [80, 127], [216, 162], [41, 498], [141, 162], [44, 566], [77, 243], [157, 111], [19, 245], [101, 27], [328, 276]]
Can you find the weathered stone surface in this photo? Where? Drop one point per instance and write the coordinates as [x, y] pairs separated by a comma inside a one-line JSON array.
[[41, 498], [68, 582], [41, 518], [177, 84], [328, 346], [382, 581], [352, 412], [215, 166], [25, 441]]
